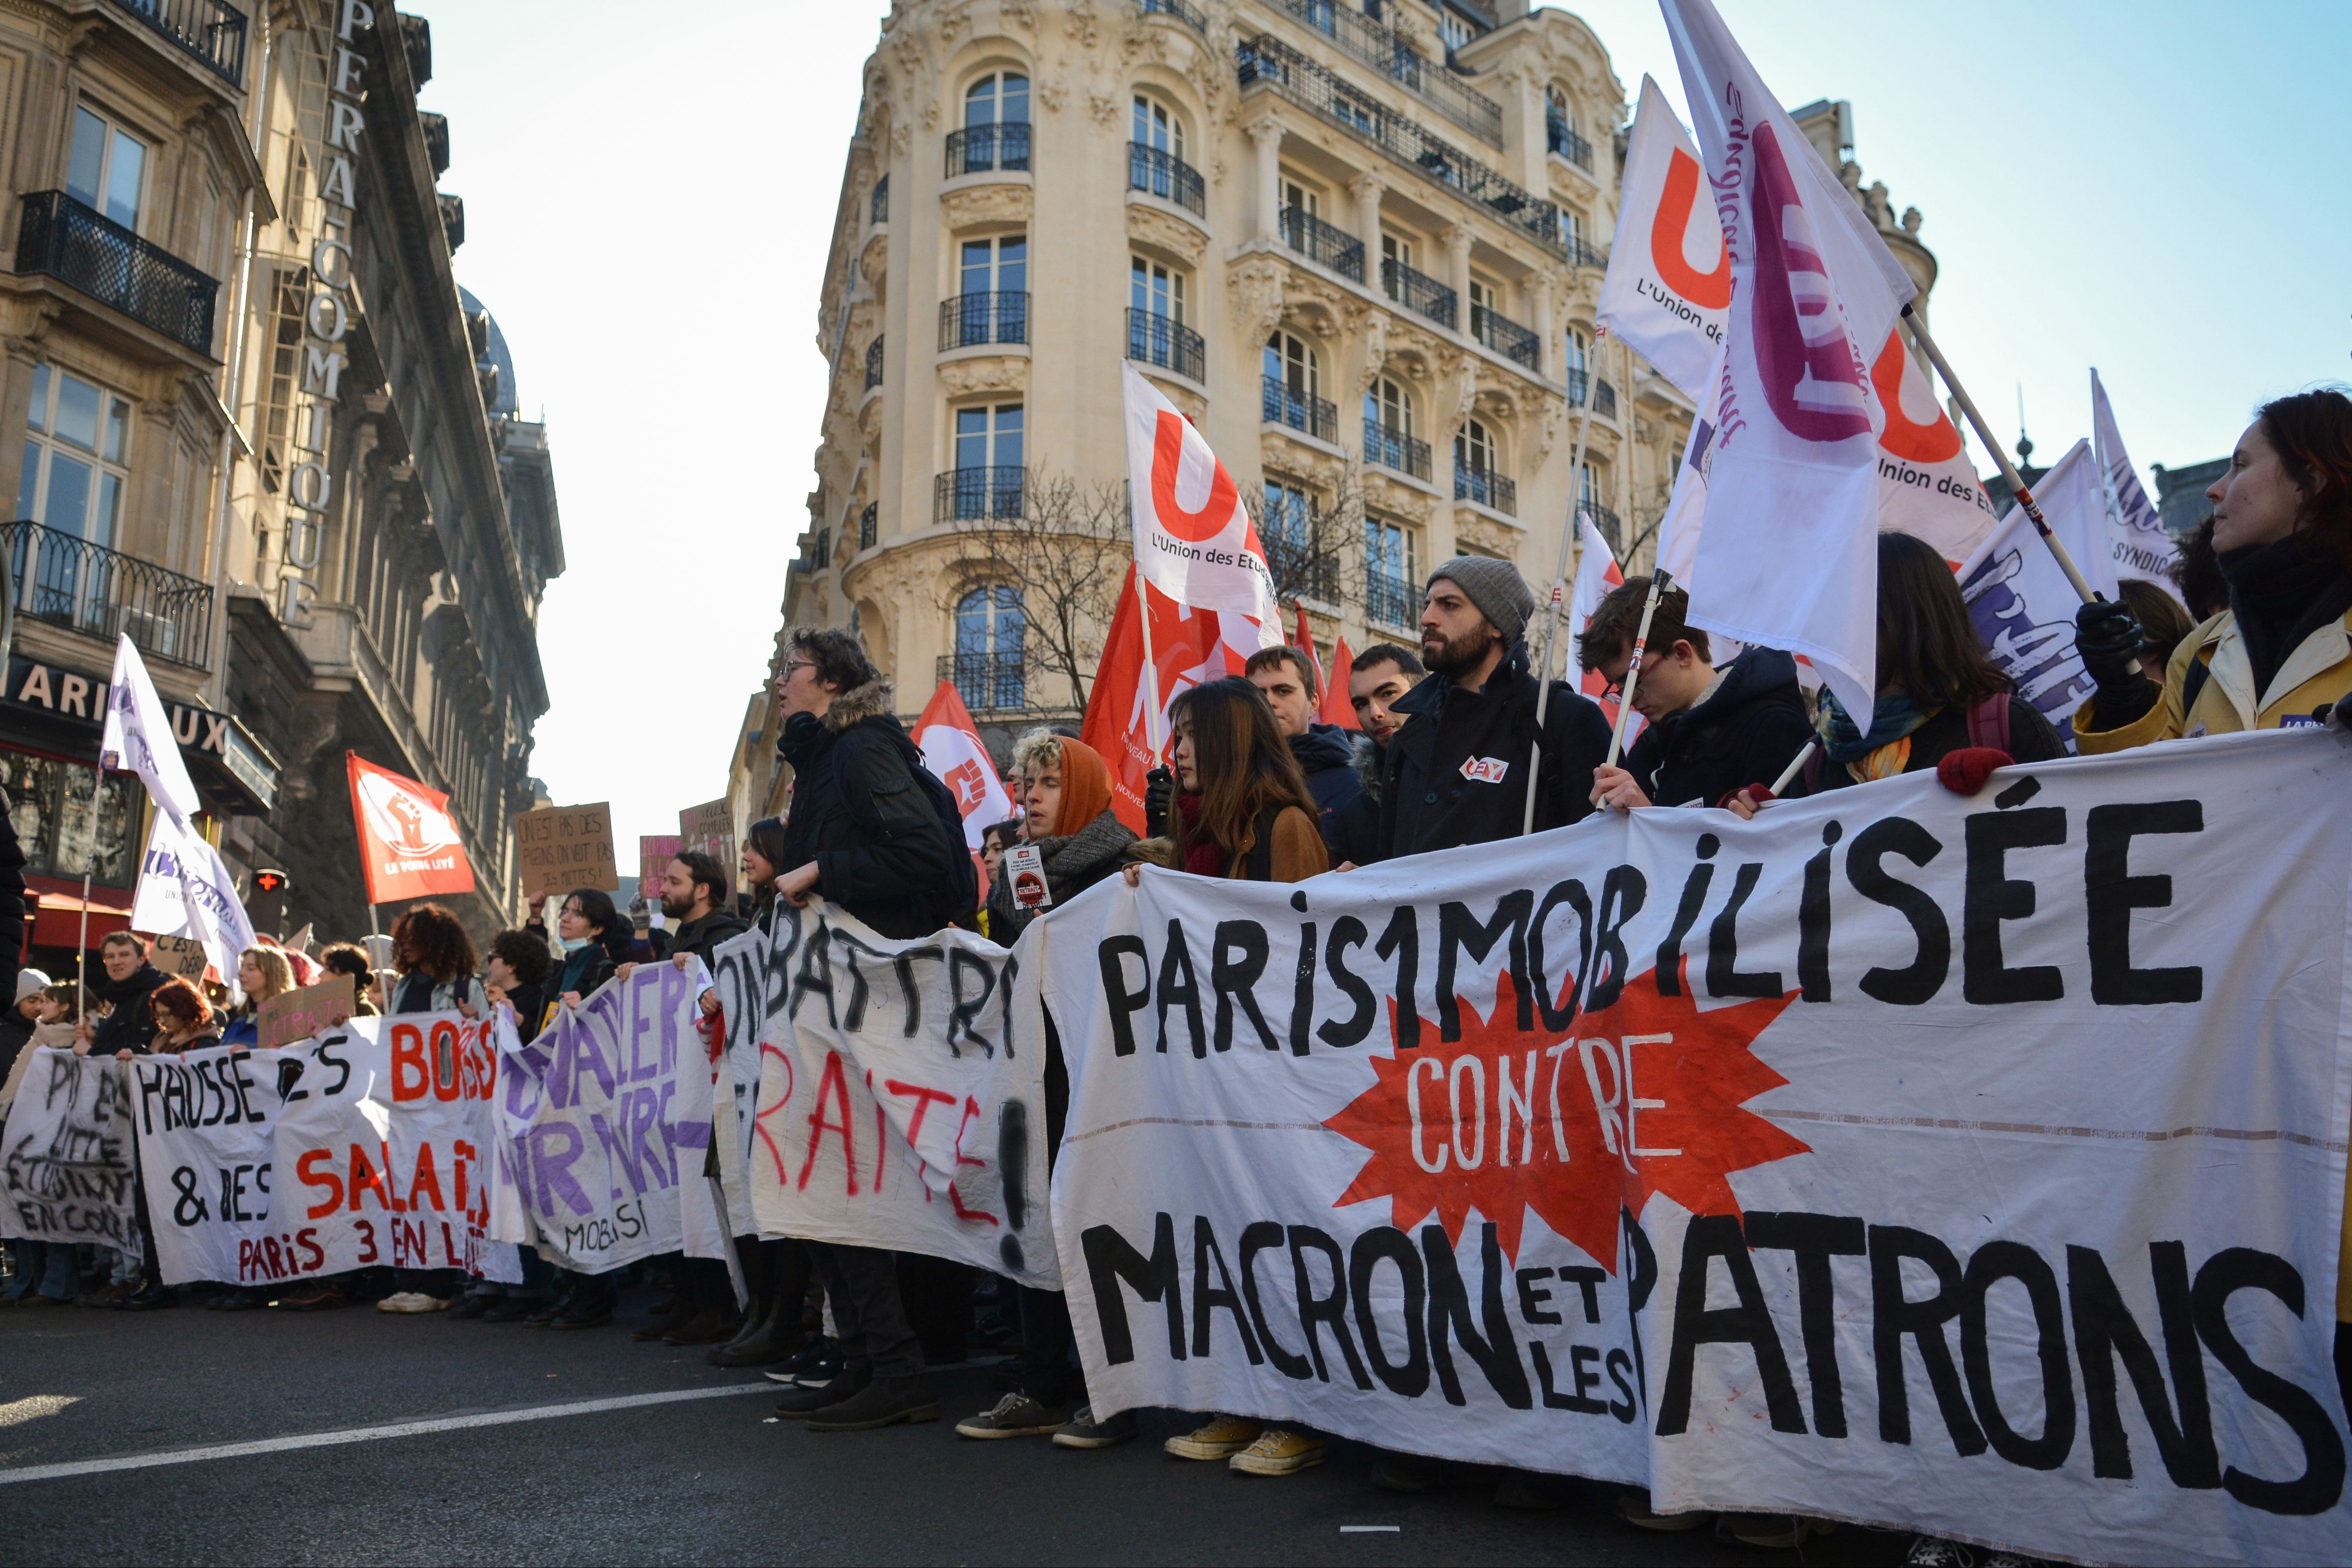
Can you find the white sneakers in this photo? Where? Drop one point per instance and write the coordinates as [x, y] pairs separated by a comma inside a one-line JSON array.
[[412, 1301]]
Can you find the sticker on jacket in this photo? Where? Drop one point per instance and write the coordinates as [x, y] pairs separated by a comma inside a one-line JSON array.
[[1485, 770], [2300, 721], [1026, 866]]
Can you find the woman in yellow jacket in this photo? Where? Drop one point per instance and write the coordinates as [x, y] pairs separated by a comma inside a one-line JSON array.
[[2281, 654]]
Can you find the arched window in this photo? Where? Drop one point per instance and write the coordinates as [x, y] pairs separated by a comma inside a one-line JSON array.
[[1473, 447], [1578, 365], [1157, 128], [1560, 123], [1294, 363], [1388, 430], [999, 99], [995, 134], [1387, 405], [990, 628]]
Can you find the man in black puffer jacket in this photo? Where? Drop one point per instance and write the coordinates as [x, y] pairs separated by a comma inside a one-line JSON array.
[[1710, 732], [1284, 678], [864, 832], [1458, 773]]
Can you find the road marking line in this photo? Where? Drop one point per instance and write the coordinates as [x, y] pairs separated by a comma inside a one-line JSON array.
[[362, 1433]]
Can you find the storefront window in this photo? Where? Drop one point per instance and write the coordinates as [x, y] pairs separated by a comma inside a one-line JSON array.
[[62, 810]]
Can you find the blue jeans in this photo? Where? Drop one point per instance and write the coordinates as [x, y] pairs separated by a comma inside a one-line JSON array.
[[47, 1267]]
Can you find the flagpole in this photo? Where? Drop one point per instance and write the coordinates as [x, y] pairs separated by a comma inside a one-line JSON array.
[[1560, 584], [1789, 773], [2008, 471], [1151, 714], [1634, 665], [81, 943]]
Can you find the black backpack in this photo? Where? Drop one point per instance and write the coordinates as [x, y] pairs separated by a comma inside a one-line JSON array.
[[958, 900]]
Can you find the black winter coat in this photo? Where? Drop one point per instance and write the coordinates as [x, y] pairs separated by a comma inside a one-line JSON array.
[[1354, 835], [131, 1026], [880, 850], [1073, 862], [1745, 731], [1428, 799], [1329, 764], [702, 937]]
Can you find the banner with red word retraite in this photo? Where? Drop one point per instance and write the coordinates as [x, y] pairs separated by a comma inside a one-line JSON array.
[[1968, 1165], [409, 844]]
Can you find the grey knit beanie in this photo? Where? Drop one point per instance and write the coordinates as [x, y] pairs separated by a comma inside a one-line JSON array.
[[1495, 587]]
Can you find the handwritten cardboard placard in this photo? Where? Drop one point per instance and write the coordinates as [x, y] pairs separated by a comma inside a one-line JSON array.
[[710, 828], [566, 847], [655, 852], [299, 1014], [179, 957]]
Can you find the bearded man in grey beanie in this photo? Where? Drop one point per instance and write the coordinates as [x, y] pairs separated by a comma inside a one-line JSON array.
[[1457, 774]]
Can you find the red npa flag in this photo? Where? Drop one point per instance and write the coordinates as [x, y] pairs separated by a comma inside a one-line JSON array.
[[1190, 645], [1338, 706], [1306, 644], [409, 845]]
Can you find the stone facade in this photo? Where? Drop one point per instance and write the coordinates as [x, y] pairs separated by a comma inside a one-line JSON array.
[[263, 435]]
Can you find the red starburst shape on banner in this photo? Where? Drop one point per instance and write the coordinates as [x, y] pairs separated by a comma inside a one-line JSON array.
[[1646, 1096]]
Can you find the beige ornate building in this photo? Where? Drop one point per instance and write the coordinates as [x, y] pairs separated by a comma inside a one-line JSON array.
[[1358, 241]]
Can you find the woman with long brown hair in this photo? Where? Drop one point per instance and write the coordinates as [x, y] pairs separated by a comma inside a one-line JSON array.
[[436, 962], [1242, 807]]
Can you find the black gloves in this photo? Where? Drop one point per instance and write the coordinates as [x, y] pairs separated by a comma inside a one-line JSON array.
[[2109, 641], [1159, 795]]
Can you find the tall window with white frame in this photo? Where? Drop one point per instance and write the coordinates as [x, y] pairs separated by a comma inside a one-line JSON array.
[[107, 170], [1577, 365], [1156, 154], [988, 478], [1156, 332], [1389, 597], [1292, 383], [996, 124], [1289, 528], [77, 464], [993, 302], [1559, 121], [1388, 429], [991, 631]]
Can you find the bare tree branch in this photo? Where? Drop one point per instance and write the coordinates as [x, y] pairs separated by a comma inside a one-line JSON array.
[[1065, 555]]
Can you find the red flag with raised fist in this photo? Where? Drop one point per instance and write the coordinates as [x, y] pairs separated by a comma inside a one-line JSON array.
[[409, 844]]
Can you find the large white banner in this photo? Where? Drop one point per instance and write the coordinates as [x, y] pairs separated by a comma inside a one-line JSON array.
[[1973, 1165], [66, 1160], [206, 1123], [605, 1122], [900, 1105]]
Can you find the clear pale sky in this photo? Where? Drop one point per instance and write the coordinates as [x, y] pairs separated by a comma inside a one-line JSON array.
[[2154, 188]]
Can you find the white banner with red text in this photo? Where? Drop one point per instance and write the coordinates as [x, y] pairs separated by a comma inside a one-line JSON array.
[[1968, 1165]]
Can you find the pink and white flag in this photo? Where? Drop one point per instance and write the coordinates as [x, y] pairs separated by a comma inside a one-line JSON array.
[[1788, 557], [1193, 538], [1668, 290]]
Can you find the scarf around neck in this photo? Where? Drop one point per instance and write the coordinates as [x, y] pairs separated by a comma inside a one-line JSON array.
[[2279, 595]]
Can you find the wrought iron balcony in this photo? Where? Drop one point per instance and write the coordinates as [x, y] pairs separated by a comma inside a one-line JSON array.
[[1604, 400], [1320, 242], [998, 494], [1166, 176], [1382, 50], [1559, 138], [874, 364], [1300, 410], [1418, 291], [1268, 59], [1388, 600], [211, 32], [866, 526], [1578, 254], [976, 149], [1606, 521], [85, 249], [1395, 450], [1187, 15], [967, 320], [988, 681], [1154, 339], [1487, 488], [1506, 337], [1298, 571], [878, 211], [69, 582]]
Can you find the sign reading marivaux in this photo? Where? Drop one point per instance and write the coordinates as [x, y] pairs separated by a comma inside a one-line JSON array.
[[1971, 1164]]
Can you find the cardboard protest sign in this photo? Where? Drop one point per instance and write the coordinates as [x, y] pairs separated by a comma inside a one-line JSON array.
[[655, 852], [708, 828], [207, 1125], [65, 1156], [179, 957], [896, 1109], [383, 1148], [298, 1014], [603, 1126], [1968, 1164], [562, 848]]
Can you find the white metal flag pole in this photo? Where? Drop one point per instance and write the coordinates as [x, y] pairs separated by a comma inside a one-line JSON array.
[[1789, 773], [1658, 585], [2008, 470], [1151, 713], [1574, 530]]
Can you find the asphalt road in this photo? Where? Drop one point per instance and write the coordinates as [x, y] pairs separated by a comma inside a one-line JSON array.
[[697, 1479]]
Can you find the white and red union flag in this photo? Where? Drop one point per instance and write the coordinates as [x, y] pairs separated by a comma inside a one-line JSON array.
[[1194, 539], [1926, 484], [1789, 556], [953, 750], [1124, 710], [1668, 290]]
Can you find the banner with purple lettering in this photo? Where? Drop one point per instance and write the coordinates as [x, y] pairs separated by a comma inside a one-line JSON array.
[[1972, 1165], [606, 1121], [899, 1106]]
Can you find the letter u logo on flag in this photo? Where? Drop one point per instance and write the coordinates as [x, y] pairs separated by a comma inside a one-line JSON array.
[[1214, 514], [1206, 554], [1707, 290]]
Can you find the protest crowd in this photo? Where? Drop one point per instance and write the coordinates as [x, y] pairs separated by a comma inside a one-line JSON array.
[[1466, 740]]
